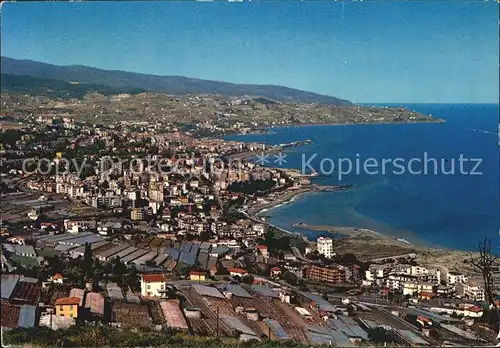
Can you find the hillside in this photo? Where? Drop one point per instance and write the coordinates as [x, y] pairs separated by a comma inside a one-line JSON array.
[[56, 88], [168, 84]]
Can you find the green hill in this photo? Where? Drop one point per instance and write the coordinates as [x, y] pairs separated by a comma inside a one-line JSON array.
[[57, 88]]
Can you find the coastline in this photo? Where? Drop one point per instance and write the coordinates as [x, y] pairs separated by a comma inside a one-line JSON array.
[[267, 131], [432, 120], [290, 195], [284, 198], [371, 246], [245, 155]]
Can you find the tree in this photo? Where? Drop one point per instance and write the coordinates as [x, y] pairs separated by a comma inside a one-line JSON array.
[[133, 280], [182, 268], [290, 278], [247, 279], [349, 259], [485, 263], [87, 261], [119, 268]]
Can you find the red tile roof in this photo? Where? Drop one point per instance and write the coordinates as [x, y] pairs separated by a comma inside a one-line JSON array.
[[26, 293], [154, 278], [261, 247], [68, 301], [197, 273], [237, 270], [10, 315], [57, 276], [426, 294], [276, 269]]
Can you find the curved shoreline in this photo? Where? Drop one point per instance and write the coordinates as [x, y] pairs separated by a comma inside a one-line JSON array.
[[350, 232]]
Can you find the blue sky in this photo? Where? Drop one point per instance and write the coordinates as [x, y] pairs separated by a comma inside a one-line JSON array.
[[441, 51]]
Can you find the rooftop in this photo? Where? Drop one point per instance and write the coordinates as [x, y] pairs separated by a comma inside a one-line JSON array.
[[68, 301], [154, 278]]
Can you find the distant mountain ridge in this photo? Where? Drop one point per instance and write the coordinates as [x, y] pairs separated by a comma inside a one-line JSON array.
[[167, 84]]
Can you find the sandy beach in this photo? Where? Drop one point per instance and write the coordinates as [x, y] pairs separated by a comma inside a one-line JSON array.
[[282, 198]]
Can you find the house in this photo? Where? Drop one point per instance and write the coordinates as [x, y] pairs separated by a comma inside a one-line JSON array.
[[473, 312], [153, 285], [425, 295], [67, 307], [275, 272], [197, 276], [263, 250], [237, 272], [57, 278]]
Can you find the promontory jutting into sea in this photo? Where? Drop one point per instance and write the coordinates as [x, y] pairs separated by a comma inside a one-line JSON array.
[[267, 174]]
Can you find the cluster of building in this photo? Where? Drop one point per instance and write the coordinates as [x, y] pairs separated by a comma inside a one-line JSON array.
[[423, 283], [180, 211]]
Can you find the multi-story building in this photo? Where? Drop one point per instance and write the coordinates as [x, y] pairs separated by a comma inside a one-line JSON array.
[[470, 290], [136, 214], [153, 285], [106, 201], [295, 269], [325, 246], [67, 307], [410, 288], [156, 194], [329, 274], [455, 277], [396, 281], [377, 272]]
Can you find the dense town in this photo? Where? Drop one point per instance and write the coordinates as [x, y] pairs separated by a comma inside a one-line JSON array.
[[152, 228]]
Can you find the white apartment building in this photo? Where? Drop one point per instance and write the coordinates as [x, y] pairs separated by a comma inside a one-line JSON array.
[[396, 281], [377, 272], [410, 288], [455, 277], [470, 290], [325, 246], [427, 274]]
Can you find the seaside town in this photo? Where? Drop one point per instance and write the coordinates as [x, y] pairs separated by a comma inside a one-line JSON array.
[[152, 228]]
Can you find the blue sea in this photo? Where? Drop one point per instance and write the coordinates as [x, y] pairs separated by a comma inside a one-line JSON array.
[[443, 210]]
